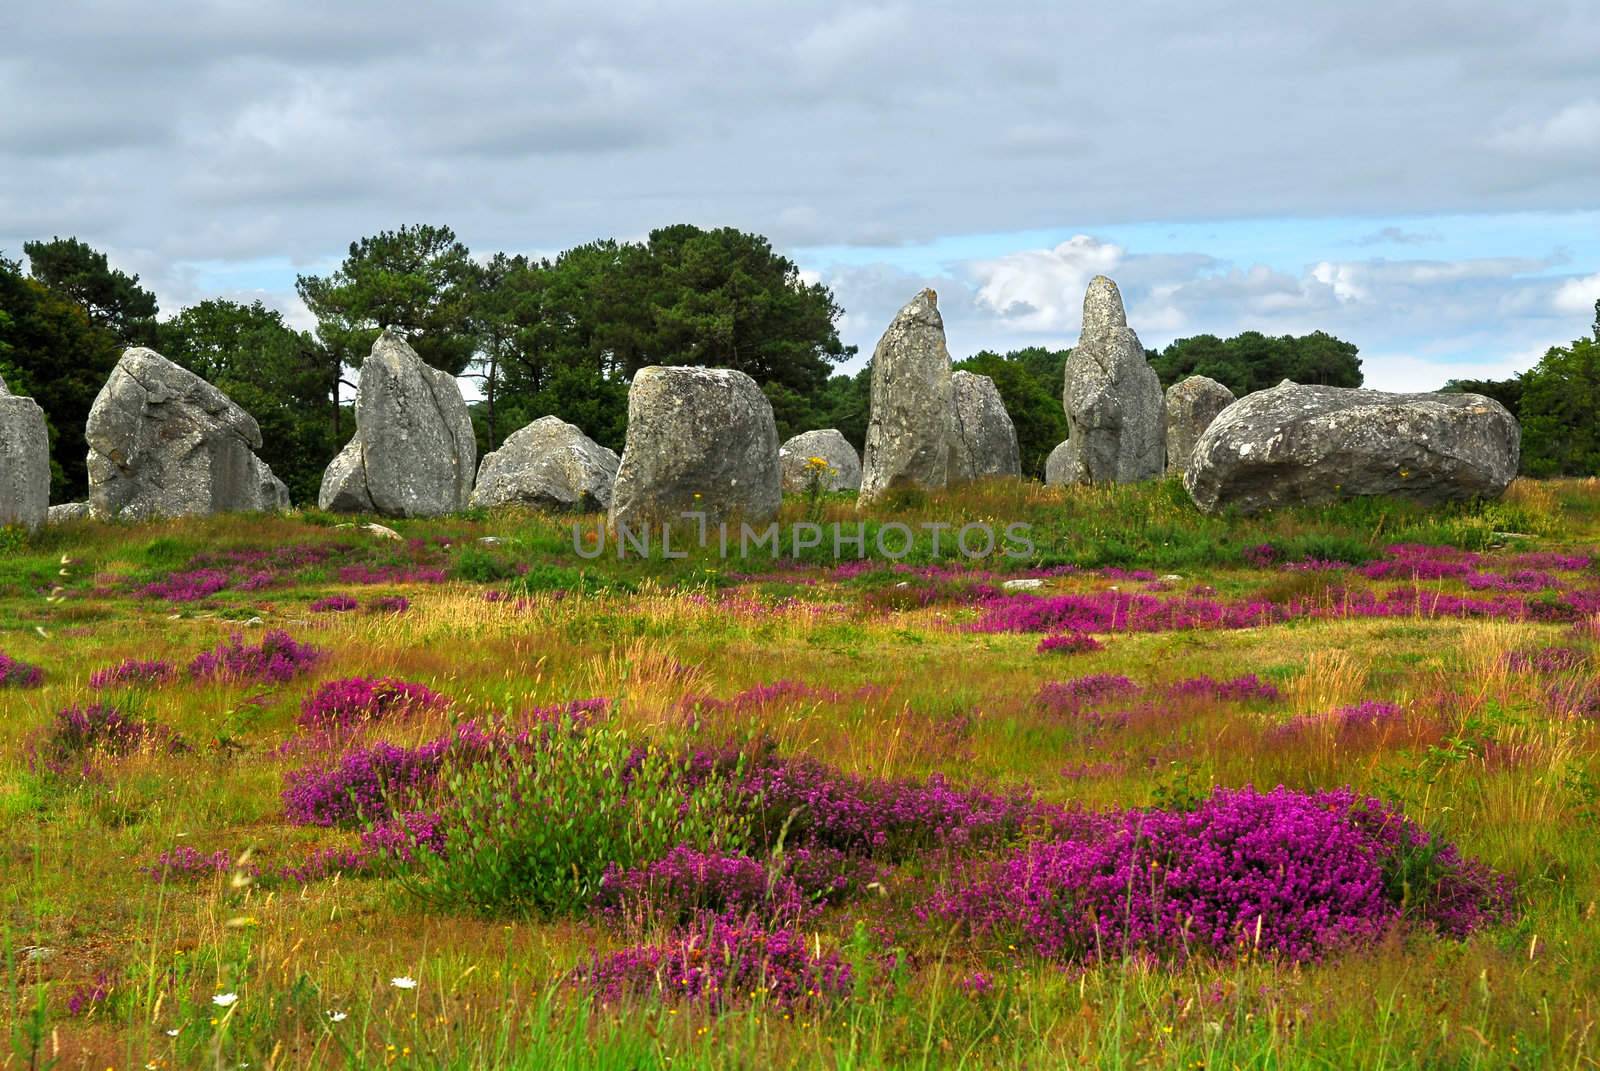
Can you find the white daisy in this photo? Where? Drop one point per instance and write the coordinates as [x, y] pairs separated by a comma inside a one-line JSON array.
[[403, 982], [225, 1000]]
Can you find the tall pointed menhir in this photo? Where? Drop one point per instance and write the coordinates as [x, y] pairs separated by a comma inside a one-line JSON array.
[[910, 426], [1116, 420]]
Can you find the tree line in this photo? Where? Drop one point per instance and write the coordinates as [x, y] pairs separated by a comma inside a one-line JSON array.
[[564, 335]]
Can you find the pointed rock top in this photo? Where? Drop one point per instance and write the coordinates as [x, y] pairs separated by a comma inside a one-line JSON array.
[[4, 391], [390, 337], [924, 306], [1102, 306]]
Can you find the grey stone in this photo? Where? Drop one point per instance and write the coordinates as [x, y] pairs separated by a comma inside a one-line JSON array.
[[909, 426], [983, 441], [1115, 422], [1309, 445], [843, 472], [165, 443], [413, 454], [66, 512], [344, 482], [548, 465], [24, 461], [1056, 466], [700, 440], [1191, 407], [1027, 583]]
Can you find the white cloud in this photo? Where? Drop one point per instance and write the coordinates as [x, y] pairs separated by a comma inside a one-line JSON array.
[[1342, 279], [1042, 289], [1578, 295], [1575, 128], [1406, 372]]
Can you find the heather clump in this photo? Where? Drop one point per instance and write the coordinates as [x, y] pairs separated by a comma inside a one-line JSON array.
[[325, 863], [363, 784], [275, 660], [812, 805], [1286, 874], [391, 574], [1546, 661], [185, 863], [727, 960], [347, 703], [686, 882], [132, 672], [402, 836], [80, 734], [1242, 689], [1080, 693], [18, 674], [334, 604], [189, 586], [1069, 643], [1366, 722]]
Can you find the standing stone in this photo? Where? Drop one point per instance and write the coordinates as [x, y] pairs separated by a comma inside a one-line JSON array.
[[1298, 444], [344, 482], [24, 461], [165, 443], [67, 512], [700, 440], [1191, 407], [830, 446], [413, 454], [1056, 470], [909, 429], [548, 465], [1115, 420], [983, 440]]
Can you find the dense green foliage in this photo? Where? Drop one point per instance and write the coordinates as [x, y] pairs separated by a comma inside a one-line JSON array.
[[1029, 382], [1555, 401], [1252, 361], [567, 334], [1508, 392], [51, 351], [112, 299], [539, 832], [1560, 435]]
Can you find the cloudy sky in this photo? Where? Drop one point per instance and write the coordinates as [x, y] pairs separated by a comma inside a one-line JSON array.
[[1420, 178]]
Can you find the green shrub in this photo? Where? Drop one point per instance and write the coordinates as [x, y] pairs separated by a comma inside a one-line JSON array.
[[532, 832], [543, 576], [480, 566]]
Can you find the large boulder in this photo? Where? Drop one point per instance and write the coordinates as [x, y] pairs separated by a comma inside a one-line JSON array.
[[548, 465], [1116, 426], [700, 440], [1057, 467], [1191, 407], [413, 454], [24, 461], [1307, 445], [798, 458], [983, 441], [909, 427], [165, 443]]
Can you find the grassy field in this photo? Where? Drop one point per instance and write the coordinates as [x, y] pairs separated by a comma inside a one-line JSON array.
[[284, 792]]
